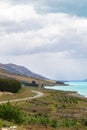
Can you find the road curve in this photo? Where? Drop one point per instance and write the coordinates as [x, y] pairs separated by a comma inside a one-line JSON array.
[[39, 94]]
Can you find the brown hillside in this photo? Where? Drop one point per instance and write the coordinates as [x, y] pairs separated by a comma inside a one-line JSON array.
[[40, 82]]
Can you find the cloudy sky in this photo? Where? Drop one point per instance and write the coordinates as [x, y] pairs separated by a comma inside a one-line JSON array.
[[47, 36]]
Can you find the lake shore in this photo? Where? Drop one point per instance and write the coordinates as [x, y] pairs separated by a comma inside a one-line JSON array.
[[75, 89], [76, 94]]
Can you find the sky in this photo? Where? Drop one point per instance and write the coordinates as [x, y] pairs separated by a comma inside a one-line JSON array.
[[48, 37]]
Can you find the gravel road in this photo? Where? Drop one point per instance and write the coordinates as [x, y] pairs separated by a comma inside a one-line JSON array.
[[39, 94]]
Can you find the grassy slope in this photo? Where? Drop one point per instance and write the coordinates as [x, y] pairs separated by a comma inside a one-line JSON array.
[[69, 112]]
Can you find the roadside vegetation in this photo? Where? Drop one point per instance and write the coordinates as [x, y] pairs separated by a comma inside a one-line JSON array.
[[56, 110]]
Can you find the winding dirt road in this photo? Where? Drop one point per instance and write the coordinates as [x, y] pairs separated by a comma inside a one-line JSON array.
[[39, 94]]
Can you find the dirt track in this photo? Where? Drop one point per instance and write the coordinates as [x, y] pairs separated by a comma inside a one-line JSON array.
[[39, 94]]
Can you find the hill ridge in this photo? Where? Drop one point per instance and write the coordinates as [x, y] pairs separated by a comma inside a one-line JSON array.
[[18, 69]]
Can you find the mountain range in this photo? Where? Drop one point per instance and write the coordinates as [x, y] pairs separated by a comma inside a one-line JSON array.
[[21, 70]]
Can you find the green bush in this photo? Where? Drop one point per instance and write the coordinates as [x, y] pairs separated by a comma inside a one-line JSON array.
[[10, 85], [11, 113], [84, 122], [44, 121], [69, 123], [32, 120], [54, 123]]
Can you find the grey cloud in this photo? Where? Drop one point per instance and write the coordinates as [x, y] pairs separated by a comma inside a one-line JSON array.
[[73, 49], [20, 45], [24, 26]]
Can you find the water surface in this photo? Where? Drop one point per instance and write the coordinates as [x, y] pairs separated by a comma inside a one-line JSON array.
[[80, 87]]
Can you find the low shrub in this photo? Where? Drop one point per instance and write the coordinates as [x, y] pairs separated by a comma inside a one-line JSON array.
[[32, 120], [54, 123], [44, 121], [69, 123], [84, 122], [11, 113]]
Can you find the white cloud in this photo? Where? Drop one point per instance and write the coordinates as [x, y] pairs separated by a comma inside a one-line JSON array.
[[16, 13]]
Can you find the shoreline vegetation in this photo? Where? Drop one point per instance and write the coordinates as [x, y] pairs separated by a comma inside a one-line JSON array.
[[70, 93], [55, 110], [76, 94]]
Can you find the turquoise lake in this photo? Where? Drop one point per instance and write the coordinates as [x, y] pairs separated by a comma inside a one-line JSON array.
[[80, 87]]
